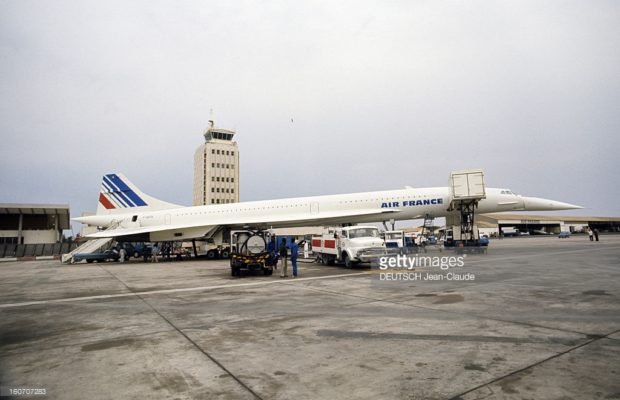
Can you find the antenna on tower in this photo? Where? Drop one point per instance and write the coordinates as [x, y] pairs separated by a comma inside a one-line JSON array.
[[211, 119]]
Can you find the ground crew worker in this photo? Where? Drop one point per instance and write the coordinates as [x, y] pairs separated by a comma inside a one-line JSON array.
[[122, 253], [294, 253], [154, 252], [283, 255]]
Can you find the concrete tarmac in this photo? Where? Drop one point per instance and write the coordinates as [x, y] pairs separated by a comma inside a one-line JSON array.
[[541, 320]]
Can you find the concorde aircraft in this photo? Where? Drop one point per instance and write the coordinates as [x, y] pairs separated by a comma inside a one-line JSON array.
[[128, 212]]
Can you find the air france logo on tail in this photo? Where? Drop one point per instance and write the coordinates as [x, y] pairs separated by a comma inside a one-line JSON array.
[[116, 194]]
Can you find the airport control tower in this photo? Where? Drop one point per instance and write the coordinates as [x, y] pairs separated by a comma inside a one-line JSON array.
[[216, 168]]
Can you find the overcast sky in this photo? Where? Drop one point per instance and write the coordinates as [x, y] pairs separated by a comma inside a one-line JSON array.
[[326, 97]]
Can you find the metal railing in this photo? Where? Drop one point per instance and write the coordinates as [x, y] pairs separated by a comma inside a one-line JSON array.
[[89, 246]]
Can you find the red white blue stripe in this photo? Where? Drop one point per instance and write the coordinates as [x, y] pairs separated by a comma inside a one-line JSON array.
[[115, 193]]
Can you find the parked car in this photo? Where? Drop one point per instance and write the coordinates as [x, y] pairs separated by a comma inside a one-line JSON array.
[[142, 250], [564, 235], [129, 249], [99, 257]]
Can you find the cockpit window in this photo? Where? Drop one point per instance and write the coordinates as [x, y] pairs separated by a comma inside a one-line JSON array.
[[507, 191]]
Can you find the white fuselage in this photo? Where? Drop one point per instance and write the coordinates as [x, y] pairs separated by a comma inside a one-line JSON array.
[[404, 204]]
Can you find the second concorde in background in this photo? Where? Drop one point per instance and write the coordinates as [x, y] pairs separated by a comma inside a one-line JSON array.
[[129, 213]]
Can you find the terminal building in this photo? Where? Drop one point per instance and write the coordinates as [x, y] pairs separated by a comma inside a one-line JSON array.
[[33, 229], [216, 168]]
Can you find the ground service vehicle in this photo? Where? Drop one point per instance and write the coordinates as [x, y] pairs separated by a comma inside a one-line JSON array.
[[211, 248], [399, 240], [477, 244], [348, 245], [249, 252], [215, 250]]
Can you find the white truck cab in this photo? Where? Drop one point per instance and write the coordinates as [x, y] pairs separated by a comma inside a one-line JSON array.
[[348, 245]]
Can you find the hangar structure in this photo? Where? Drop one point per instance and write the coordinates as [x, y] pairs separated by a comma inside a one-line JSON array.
[[32, 229], [551, 224]]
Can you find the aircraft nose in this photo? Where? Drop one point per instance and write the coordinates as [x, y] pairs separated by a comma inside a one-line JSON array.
[[538, 204]]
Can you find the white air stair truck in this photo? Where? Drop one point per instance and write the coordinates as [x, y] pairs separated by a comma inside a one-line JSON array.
[[348, 245], [467, 190]]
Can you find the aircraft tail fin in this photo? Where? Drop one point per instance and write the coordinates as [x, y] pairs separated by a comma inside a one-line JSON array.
[[119, 196]]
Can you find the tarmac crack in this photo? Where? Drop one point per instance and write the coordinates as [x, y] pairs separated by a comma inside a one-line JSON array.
[[190, 340], [591, 338], [459, 396]]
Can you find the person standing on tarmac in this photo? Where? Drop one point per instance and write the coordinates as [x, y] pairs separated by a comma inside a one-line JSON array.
[[154, 253], [591, 234], [294, 253], [273, 252], [283, 255]]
